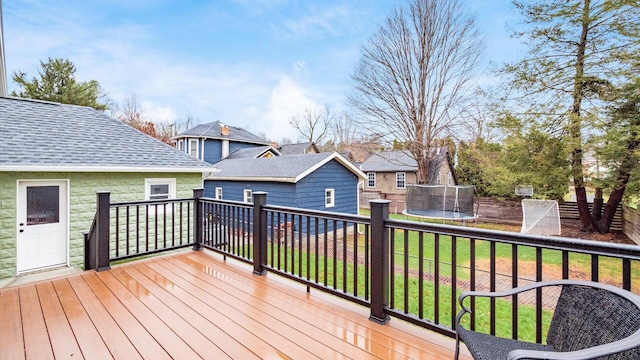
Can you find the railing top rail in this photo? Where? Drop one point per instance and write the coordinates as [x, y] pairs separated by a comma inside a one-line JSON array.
[[149, 202], [241, 204], [547, 242], [324, 214]]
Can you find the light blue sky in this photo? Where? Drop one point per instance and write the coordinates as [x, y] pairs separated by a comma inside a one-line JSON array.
[[248, 63]]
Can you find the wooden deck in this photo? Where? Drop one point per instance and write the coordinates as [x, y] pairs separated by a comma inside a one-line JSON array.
[[194, 305]]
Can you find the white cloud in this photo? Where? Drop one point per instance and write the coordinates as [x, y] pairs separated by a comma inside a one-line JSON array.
[[287, 98]]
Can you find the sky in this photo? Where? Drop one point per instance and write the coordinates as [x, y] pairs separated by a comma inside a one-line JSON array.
[[246, 63]]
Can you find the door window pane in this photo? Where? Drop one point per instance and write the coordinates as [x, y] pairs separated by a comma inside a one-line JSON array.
[[43, 205]]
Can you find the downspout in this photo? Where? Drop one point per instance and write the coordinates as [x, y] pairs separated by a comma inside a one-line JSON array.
[[360, 182], [3, 69]]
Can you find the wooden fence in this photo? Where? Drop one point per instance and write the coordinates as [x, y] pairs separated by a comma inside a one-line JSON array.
[[631, 223]]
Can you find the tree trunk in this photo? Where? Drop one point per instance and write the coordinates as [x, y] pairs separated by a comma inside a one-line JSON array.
[[596, 212], [624, 174], [575, 130]]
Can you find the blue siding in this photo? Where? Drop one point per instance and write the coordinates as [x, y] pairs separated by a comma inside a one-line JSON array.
[[308, 193], [212, 151], [282, 194], [332, 175]]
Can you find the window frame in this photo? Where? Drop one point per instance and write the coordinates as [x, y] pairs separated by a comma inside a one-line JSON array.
[[248, 196], [449, 178], [218, 193], [148, 182], [404, 180], [371, 177], [194, 148], [438, 178], [180, 144], [329, 198]]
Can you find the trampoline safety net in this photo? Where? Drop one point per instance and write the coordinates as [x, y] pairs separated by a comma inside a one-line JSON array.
[[441, 201]]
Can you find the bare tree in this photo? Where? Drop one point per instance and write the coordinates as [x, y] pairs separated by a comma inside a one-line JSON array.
[[477, 120], [345, 131], [313, 124], [413, 74], [130, 111]]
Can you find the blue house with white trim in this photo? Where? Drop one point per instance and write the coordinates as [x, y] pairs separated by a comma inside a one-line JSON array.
[[214, 141], [325, 181]]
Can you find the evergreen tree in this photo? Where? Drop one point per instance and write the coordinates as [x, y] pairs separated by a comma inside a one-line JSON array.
[[578, 50], [57, 83]]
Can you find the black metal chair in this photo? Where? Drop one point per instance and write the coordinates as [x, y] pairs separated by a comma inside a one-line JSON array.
[[591, 320]]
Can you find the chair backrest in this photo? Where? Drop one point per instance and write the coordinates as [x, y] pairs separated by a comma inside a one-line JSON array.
[[586, 316]]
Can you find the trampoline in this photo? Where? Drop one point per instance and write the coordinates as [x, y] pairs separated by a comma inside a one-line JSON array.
[[444, 202]]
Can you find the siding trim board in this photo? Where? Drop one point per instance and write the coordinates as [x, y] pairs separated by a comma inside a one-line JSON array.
[[102, 169]]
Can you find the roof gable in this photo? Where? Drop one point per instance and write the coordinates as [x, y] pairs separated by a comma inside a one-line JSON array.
[[46, 136], [291, 168], [215, 130], [299, 148], [252, 153], [389, 161]]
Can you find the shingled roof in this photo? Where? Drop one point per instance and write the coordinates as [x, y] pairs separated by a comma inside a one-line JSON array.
[[45, 136], [252, 152], [389, 161], [291, 168], [213, 130], [300, 148]]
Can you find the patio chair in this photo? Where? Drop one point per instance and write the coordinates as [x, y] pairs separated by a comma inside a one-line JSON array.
[[591, 320]]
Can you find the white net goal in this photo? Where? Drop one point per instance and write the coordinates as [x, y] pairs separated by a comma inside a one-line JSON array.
[[540, 217]]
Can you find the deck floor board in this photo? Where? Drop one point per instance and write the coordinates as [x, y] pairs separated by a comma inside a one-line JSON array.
[[195, 305]]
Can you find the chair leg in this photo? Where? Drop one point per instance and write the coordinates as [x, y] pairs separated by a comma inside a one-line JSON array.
[[457, 348]]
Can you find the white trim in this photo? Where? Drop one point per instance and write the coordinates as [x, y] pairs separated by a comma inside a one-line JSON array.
[[346, 163], [332, 198], [375, 179], [218, 191], [82, 168], [404, 180], [67, 225], [160, 181], [253, 178], [247, 196], [189, 147]]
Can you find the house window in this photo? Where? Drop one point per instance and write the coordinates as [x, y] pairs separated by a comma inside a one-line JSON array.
[[438, 181], [329, 198], [449, 178], [400, 180], [371, 179], [181, 145], [248, 196], [219, 193], [160, 189], [193, 147]]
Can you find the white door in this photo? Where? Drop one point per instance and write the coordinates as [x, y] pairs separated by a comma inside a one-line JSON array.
[[42, 224]]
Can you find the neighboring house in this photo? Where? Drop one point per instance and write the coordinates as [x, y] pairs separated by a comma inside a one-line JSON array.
[[325, 181], [254, 152], [53, 160], [389, 172], [298, 149], [214, 141]]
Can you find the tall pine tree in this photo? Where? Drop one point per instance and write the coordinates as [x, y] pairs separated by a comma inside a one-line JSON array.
[[56, 82]]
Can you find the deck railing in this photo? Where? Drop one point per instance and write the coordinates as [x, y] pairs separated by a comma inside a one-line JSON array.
[[405, 269]]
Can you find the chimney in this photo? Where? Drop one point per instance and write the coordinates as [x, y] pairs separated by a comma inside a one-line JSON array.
[[274, 145], [224, 131], [3, 69]]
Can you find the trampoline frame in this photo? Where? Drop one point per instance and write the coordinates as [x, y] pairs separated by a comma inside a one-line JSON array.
[[444, 214]]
